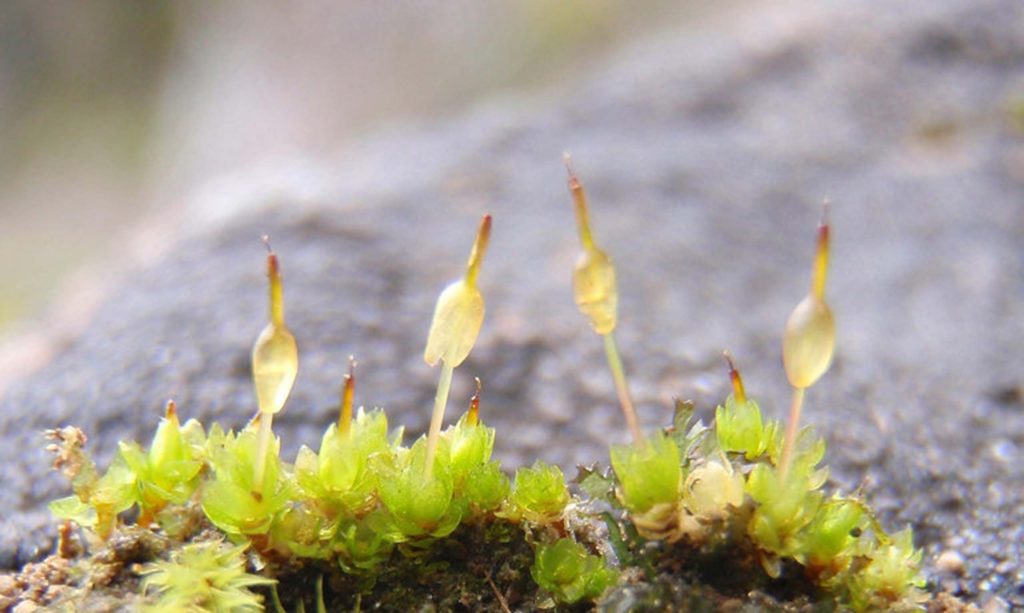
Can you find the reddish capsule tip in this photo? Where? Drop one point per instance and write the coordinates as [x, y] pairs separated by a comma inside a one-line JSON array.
[[820, 269], [273, 267], [172, 410], [474, 405], [351, 376], [574, 182], [739, 392]]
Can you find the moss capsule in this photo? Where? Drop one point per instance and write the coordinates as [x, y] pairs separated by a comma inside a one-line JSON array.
[[458, 316], [597, 297], [593, 279], [810, 336], [459, 313], [275, 356], [808, 343], [275, 364]]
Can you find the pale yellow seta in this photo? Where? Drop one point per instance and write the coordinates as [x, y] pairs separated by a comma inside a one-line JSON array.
[[275, 364], [458, 317], [809, 340], [597, 297]]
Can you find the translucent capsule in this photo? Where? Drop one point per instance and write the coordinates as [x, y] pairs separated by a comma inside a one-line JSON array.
[[810, 336], [594, 288], [459, 313], [808, 343], [593, 284], [275, 356]]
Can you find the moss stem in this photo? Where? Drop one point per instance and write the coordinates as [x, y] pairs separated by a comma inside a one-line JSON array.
[[440, 401], [789, 443], [262, 446], [621, 387]]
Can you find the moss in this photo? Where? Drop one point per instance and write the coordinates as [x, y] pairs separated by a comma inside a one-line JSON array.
[[733, 516]]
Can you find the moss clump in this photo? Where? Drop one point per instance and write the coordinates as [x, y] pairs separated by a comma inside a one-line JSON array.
[[687, 515]]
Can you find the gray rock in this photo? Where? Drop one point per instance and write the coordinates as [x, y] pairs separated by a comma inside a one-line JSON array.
[[706, 153]]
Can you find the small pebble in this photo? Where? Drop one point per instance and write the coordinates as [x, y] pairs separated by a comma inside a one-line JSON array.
[[951, 562]]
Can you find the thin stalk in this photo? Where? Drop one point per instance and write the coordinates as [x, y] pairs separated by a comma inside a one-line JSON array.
[[263, 444], [621, 387], [440, 401], [789, 443]]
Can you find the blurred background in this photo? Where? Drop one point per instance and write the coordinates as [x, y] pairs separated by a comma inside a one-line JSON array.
[[113, 112]]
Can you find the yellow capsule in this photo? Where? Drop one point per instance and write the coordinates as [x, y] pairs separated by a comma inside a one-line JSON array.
[[459, 313], [275, 356], [593, 280], [593, 284], [810, 336]]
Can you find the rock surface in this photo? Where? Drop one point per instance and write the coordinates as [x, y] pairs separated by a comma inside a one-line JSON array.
[[706, 152]]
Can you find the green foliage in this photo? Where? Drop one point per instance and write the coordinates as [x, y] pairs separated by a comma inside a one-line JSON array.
[[731, 479], [891, 578], [539, 495], [786, 504], [415, 507], [740, 429], [230, 499], [364, 493], [169, 472], [569, 573], [96, 500], [99, 503], [650, 474], [206, 576], [339, 480]]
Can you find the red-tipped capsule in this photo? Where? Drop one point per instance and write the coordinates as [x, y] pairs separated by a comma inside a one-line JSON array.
[[459, 313], [738, 391], [810, 336], [594, 287], [275, 356]]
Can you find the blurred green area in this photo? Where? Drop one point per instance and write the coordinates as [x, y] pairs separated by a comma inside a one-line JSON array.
[[110, 110]]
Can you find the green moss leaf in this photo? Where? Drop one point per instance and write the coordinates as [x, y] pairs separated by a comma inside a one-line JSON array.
[[648, 474], [567, 571], [539, 494]]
